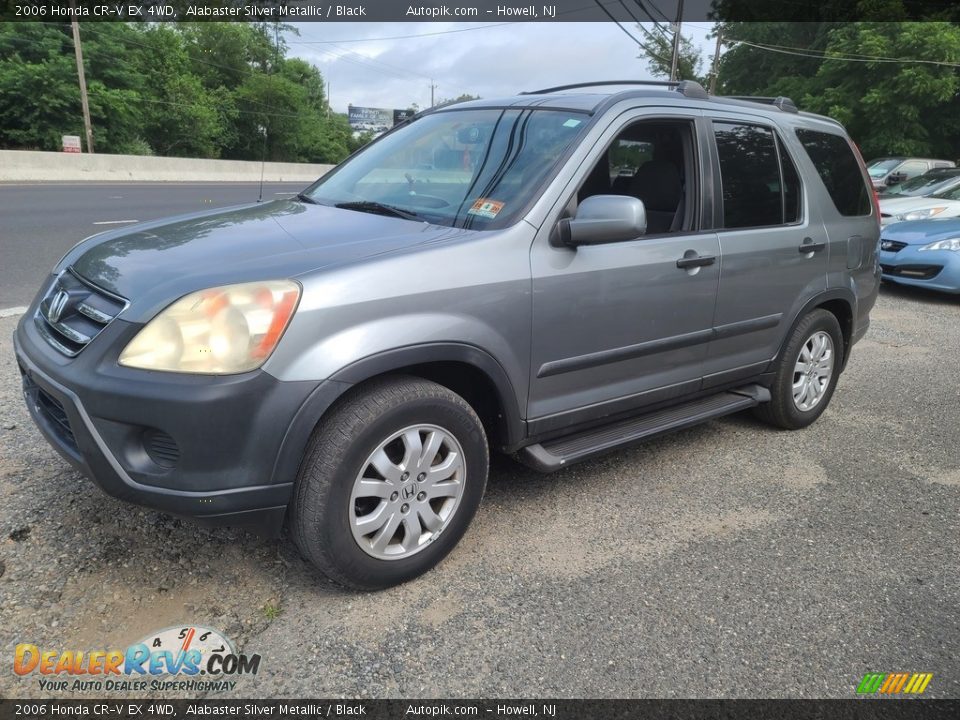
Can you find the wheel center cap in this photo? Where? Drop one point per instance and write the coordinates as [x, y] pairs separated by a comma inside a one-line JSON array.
[[408, 491]]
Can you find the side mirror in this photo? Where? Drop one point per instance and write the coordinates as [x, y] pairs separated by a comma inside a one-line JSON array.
[[896, 178], [602, 219]]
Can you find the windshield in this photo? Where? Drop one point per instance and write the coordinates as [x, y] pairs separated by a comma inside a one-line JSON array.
[[879, 168], [462, 168], [952, 194], [925, 185]]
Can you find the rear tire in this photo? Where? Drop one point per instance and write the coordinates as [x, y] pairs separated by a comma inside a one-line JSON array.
[[389, 482], [806, 373]]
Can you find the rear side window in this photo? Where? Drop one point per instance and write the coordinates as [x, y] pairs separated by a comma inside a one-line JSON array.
[[755, 194], [838, 168]]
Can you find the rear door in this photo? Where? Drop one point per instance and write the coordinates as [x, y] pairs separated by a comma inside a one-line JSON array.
[[773, 245]]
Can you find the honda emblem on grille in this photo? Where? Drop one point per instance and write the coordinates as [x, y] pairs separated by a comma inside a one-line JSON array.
[[57, 305]]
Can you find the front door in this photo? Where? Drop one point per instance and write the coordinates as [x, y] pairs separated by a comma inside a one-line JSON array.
[[620, 325]]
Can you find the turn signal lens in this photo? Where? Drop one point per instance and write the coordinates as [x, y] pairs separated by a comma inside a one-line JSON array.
[[224, 330]]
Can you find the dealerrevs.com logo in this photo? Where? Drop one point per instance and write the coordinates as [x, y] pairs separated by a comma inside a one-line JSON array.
[[192, 658]]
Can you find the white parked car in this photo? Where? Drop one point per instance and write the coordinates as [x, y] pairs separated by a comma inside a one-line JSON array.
[[941, 205]]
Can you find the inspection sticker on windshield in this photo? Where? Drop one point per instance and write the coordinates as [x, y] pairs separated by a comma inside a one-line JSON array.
[[486, 208]]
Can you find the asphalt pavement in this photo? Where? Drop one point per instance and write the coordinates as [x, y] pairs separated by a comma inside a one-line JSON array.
[[727, 560], [39, 222]]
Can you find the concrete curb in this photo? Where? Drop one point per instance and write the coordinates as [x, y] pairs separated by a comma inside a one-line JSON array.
[[34, 166]]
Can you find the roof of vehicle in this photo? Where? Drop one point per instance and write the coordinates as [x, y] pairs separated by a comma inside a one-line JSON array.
[[597, 96], [905, 158], [941, 172]]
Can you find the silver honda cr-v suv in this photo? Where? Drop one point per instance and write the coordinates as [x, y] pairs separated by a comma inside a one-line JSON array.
[[551, 275]]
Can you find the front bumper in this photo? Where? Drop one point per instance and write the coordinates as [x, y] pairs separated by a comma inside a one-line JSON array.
[[932, 269], [221, 449]]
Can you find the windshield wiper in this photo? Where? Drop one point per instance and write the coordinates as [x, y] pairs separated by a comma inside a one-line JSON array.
[[303, 197], [371, 206]]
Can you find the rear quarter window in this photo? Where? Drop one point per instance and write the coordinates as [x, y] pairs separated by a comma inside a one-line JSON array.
[[838, 168]]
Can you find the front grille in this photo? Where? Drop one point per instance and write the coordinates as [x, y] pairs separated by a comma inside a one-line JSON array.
[[917, 272], [74, 312], [161, 448], [51, 408], [892, 245]]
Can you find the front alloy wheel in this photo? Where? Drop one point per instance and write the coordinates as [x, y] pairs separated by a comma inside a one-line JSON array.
[[407, 492], [391, 479]]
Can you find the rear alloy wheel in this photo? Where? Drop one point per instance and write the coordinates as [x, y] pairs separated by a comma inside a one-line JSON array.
[[389, 483], [806, 373]]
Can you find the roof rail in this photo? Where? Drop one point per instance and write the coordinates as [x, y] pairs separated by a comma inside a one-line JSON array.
[[688, 88], [780, 102]]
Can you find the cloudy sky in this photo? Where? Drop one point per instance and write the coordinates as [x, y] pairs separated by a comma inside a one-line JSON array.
[[379, 65]]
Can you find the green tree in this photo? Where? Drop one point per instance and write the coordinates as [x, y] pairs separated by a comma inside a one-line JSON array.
[[657, 48], [39, 98], [889, 107]]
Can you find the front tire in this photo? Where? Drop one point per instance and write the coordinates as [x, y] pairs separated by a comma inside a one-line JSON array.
[[389, 482], [806, 373]]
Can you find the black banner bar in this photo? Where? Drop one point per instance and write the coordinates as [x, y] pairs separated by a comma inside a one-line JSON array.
[[478, 11], [303, 709]]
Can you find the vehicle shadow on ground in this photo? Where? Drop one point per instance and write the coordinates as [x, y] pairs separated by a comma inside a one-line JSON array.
[[919, 294]]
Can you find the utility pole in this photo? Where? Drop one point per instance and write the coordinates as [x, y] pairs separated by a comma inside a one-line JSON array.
[[78, 51], [328, 97], [716, 64], [432, 88], [676, 42]]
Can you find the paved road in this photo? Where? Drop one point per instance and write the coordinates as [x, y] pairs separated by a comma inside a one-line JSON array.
[[726, 560], [40, 222]]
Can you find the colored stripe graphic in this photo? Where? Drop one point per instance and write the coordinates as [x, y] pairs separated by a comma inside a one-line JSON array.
[[894, 683], [871, 683]]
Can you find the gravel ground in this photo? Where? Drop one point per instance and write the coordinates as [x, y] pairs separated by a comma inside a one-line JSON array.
[[729, 560]]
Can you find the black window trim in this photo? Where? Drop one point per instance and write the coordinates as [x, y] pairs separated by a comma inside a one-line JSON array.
[[778, 143]]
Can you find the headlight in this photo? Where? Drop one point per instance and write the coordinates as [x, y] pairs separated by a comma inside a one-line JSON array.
[[229, 329], [951, 244], [922, 214]]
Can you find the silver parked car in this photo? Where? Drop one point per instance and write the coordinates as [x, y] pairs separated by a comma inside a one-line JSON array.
[[347, 359], [894, 170]]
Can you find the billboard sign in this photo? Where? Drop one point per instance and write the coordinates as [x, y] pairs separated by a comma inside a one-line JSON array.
[[400, 115], [375, 120], [71, 143]]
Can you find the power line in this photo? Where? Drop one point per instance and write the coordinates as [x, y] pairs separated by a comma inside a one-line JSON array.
[[627, 32], [654, 6], [841, 58], [96, 89]]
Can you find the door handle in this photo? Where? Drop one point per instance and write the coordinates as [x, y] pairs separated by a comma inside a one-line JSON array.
[[809, 246], [696, 261]]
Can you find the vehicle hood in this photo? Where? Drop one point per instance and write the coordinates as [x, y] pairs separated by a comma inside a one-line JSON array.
[[922, 232], [154, 263], [898, 206]]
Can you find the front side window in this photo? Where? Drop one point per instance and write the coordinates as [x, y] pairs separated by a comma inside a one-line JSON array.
[[749, 175], [462, 168], [837, 166]]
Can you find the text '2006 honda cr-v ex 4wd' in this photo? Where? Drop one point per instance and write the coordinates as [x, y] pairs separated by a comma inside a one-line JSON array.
[[552, 275]]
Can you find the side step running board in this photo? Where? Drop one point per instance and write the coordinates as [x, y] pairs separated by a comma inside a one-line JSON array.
[[559, 453]]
